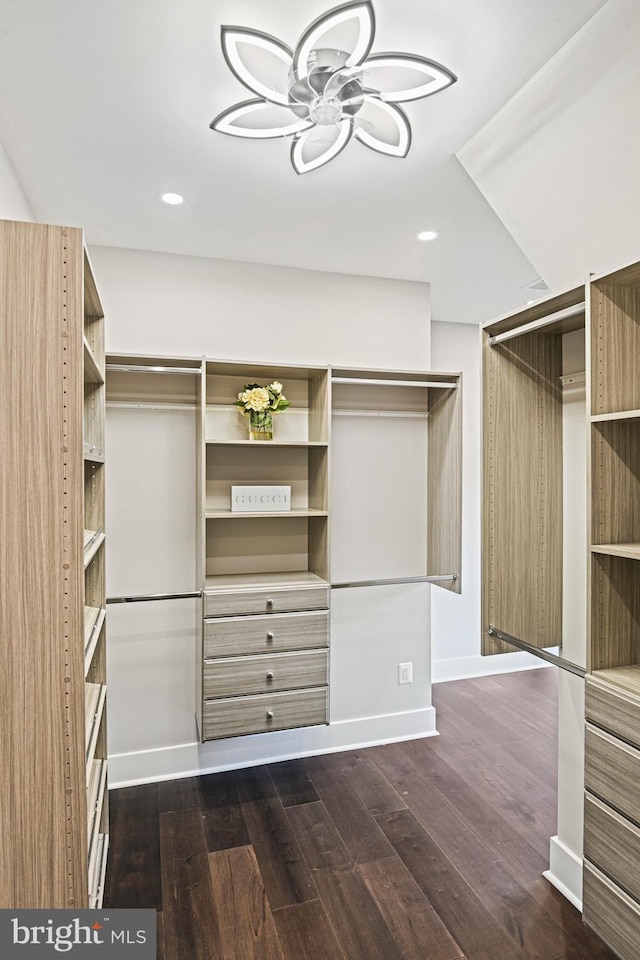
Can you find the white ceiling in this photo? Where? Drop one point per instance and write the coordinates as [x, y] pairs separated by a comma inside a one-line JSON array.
[[106, 105]]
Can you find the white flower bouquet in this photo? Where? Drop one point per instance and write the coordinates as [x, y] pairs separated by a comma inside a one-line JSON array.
[[260, 404]]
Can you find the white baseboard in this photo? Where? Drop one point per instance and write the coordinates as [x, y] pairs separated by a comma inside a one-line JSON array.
[[193, 759], [565, 872], [463, 668]]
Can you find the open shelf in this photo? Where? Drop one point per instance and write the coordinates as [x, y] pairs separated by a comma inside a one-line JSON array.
[[621, 415], [267, 581], [626, 678], [96, 792], [629, 550], [95, 696], [93, 540], [94, 618], [92, 372], [264, 515], [266, 443]]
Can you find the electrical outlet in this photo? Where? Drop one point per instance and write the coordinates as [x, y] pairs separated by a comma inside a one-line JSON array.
[[405, 672]]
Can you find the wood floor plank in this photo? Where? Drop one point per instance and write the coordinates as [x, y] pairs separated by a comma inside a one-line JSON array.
[[317, 836], [522, 800], [179, 794], [254, 783], [543, 681], [187, 893], [284, 872], [583, 944], [520, 915], [372, 787], [539, 756], [454, 837], [354, 915], [477, 712], [223, 818], [469, 922], [505, 702], [292, 782], [160, 936], [409, 915], [361, 834], [241, 914], [523, 860], [306, 934], [133, 866]]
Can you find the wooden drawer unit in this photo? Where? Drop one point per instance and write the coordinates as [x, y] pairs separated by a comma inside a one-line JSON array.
[[611, 913], [612, 771], [280, 671], [272, 600], [236, 636], [613, 708], [612, 843], [236, 716]]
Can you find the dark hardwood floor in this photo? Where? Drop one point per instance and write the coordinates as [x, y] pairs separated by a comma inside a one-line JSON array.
[[427, 850]]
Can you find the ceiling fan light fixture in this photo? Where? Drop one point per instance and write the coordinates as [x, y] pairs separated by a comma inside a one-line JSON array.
[[325, 87]]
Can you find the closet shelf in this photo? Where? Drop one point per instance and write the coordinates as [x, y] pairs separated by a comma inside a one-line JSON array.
[[93, 540], [631, 551], [227, 582], [96, 790], [94, 698], [620, 415], [271, 514], [627, 678], [94, 617], [267, 444], [92, 372], [98, 869]]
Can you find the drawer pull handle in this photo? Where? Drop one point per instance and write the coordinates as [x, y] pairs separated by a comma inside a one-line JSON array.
[[269, 604], [269, 714], [269, 674], [270, 636]]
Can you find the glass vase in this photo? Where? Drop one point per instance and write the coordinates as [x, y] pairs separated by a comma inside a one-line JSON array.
[[260, 425]]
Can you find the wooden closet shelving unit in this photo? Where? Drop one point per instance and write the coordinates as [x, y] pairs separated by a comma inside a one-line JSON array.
[[53, 799], [263, 626], [612, 751]]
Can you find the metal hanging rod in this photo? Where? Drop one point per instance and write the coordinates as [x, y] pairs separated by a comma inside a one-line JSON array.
[[537, 651], [397, 414], [144, 598], [140, 368], [385, 582], [396, 383], [537, 324]]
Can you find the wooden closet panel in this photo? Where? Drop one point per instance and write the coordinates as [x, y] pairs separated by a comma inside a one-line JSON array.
[[615, 342], [444, 485], [41, 616], [615, 487], [615, 612], [522, 490]]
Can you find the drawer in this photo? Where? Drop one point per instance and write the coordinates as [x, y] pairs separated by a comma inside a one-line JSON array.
[[280, 711], [275, 600], [278, 671], [612, 843], [614, 709], [231, 636], [612, 771], [611, 913]]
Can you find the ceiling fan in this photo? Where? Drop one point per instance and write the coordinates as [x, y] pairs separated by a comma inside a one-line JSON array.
[[327, 90]]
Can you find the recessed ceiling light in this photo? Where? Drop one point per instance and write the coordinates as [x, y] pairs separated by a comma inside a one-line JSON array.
[[428, 235], [172, 198]]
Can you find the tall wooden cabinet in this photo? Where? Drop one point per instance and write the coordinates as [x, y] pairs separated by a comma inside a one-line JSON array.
[[522, 553], [612, 750], [263, 660], [53, 797]]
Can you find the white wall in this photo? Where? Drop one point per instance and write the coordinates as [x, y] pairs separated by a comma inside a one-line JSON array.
[[559, 163], [13, 202], [226, 310], [164, 304], [455, 619]]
